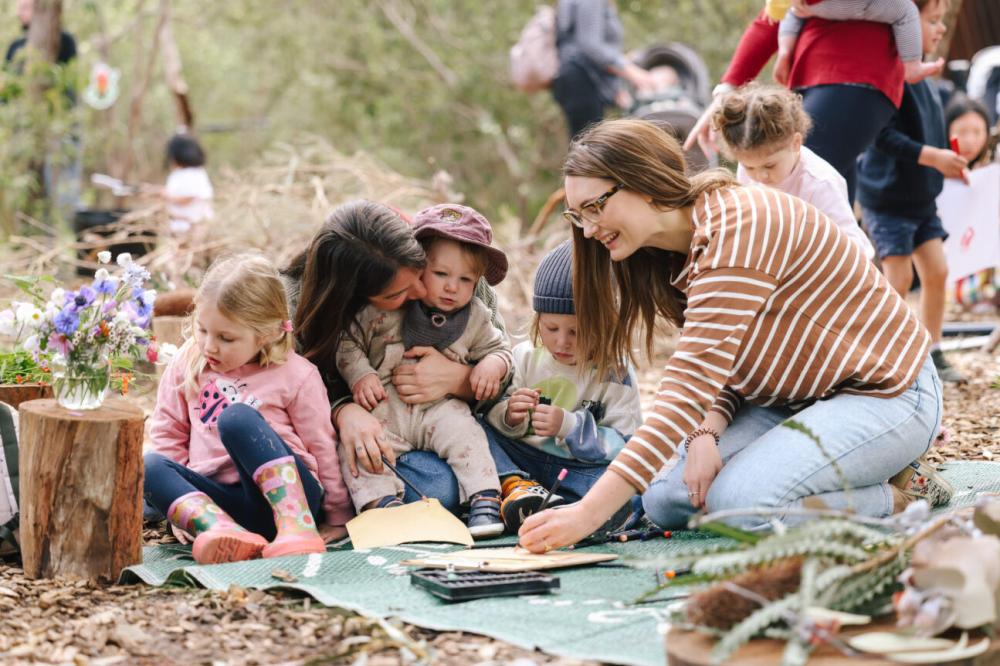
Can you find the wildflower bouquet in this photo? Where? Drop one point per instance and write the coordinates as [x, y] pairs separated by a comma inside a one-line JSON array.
[[80, 334]]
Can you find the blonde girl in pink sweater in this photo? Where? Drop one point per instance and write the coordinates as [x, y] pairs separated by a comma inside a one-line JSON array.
[[244, 456]]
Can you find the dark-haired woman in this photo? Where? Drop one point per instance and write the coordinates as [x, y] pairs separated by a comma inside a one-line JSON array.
[[781, 318], [366, 253]]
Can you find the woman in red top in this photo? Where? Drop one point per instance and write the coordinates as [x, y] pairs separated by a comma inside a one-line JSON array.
[[849, 75]]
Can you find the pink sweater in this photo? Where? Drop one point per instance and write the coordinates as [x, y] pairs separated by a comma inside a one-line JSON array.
[[291, 398]]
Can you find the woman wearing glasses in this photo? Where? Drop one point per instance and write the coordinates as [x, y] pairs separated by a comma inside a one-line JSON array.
[[782, 322]]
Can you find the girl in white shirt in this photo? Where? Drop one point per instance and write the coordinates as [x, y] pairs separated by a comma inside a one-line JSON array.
[[188, 191], [762, 128]]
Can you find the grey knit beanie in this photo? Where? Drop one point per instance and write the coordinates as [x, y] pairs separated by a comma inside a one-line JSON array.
[[554, 281]]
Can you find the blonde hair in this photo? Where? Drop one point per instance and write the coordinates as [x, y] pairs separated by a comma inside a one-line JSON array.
[[613, 301], [756, 116], [247, 289]]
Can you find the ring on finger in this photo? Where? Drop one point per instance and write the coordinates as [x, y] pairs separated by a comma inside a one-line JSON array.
[[546, 545]]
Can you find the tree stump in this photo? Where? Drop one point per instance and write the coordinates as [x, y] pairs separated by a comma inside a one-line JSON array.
[[15, 394], [169, 329], [81, 489]]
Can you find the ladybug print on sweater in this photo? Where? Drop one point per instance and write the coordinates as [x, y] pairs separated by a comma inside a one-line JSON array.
[[217, 395]]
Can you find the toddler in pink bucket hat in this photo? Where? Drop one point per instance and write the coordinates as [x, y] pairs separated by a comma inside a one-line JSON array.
[[466, 226], [449, 318]]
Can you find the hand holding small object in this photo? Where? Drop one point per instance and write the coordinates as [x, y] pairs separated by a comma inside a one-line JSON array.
[[547, 420], [520, 403]]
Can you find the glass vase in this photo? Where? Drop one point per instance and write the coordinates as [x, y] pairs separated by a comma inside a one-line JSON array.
[[81, 388]]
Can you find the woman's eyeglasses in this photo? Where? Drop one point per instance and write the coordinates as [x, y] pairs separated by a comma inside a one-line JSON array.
[[590, 213]]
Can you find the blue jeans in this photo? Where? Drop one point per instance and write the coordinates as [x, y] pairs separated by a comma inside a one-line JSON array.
[[514, 457], [765, 465], [432, 475], [250, 442]]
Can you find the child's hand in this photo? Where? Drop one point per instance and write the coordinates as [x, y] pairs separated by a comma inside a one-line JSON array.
[[949, 163], [547, 420], [368, 391], [520, 402], [485, 378]]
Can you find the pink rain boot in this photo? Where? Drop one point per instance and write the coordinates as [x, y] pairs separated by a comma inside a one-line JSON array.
[[218, 538], [297, 535]]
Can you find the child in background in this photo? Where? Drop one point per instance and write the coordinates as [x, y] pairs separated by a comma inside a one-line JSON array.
[[243, 450], [457, 240], [188, 191], [762, 128], [969, 125], [558, 413], [902, 14], [899, 179]]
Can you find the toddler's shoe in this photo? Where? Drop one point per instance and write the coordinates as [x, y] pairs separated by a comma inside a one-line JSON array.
[[484, 515], [920, 480], [227, 545], [521, 498]]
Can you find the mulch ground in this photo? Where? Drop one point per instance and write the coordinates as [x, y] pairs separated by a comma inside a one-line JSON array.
[[80, 623]]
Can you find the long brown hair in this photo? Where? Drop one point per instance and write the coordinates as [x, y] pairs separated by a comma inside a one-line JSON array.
[[614, 300], [354, 256]]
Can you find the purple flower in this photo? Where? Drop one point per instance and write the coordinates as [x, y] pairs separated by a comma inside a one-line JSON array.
[[67, 321], [107, 287], [84, 297]]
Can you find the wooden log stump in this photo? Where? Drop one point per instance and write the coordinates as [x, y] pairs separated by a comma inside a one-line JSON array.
[[15, 394], [169, 329], [81, 489]]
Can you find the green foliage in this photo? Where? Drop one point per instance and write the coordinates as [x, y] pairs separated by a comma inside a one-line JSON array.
[[18, 367], [264, 71]]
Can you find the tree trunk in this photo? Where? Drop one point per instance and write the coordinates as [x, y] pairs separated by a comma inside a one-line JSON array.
[[81, 489], [173, 70], [40, 55], [15, 394]]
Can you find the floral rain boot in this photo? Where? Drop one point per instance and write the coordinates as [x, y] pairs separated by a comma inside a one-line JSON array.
[[297, 535], [217, 537]]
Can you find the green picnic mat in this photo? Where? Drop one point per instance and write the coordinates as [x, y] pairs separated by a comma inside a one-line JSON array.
[[590, 617]]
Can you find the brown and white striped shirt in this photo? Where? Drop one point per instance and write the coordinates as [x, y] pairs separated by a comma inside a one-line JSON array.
[[782, 309]]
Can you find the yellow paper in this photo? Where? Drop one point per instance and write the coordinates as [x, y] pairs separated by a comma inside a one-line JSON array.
[[425, 520], [509, 559]]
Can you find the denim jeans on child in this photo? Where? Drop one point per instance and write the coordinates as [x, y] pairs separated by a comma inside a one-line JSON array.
[[865, 441], [251, 442], [514, 457]]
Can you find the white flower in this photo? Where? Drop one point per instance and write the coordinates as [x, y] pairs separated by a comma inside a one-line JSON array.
[[166, 352], [104, 257], [7, 326], [124, 259], [57, 296], [102, 274], [27, 314], [30, 344]]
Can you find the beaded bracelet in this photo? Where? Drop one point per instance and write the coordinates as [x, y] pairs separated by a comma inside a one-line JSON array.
[[700, 431]]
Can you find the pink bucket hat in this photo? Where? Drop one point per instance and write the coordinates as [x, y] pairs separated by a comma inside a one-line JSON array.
[[464, 225]]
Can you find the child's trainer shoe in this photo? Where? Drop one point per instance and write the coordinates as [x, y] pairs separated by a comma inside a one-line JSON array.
[[521, 498], [484, 515], [920, 480]]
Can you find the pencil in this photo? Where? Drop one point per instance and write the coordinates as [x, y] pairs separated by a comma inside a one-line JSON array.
[[385, 461], [555, 486]]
